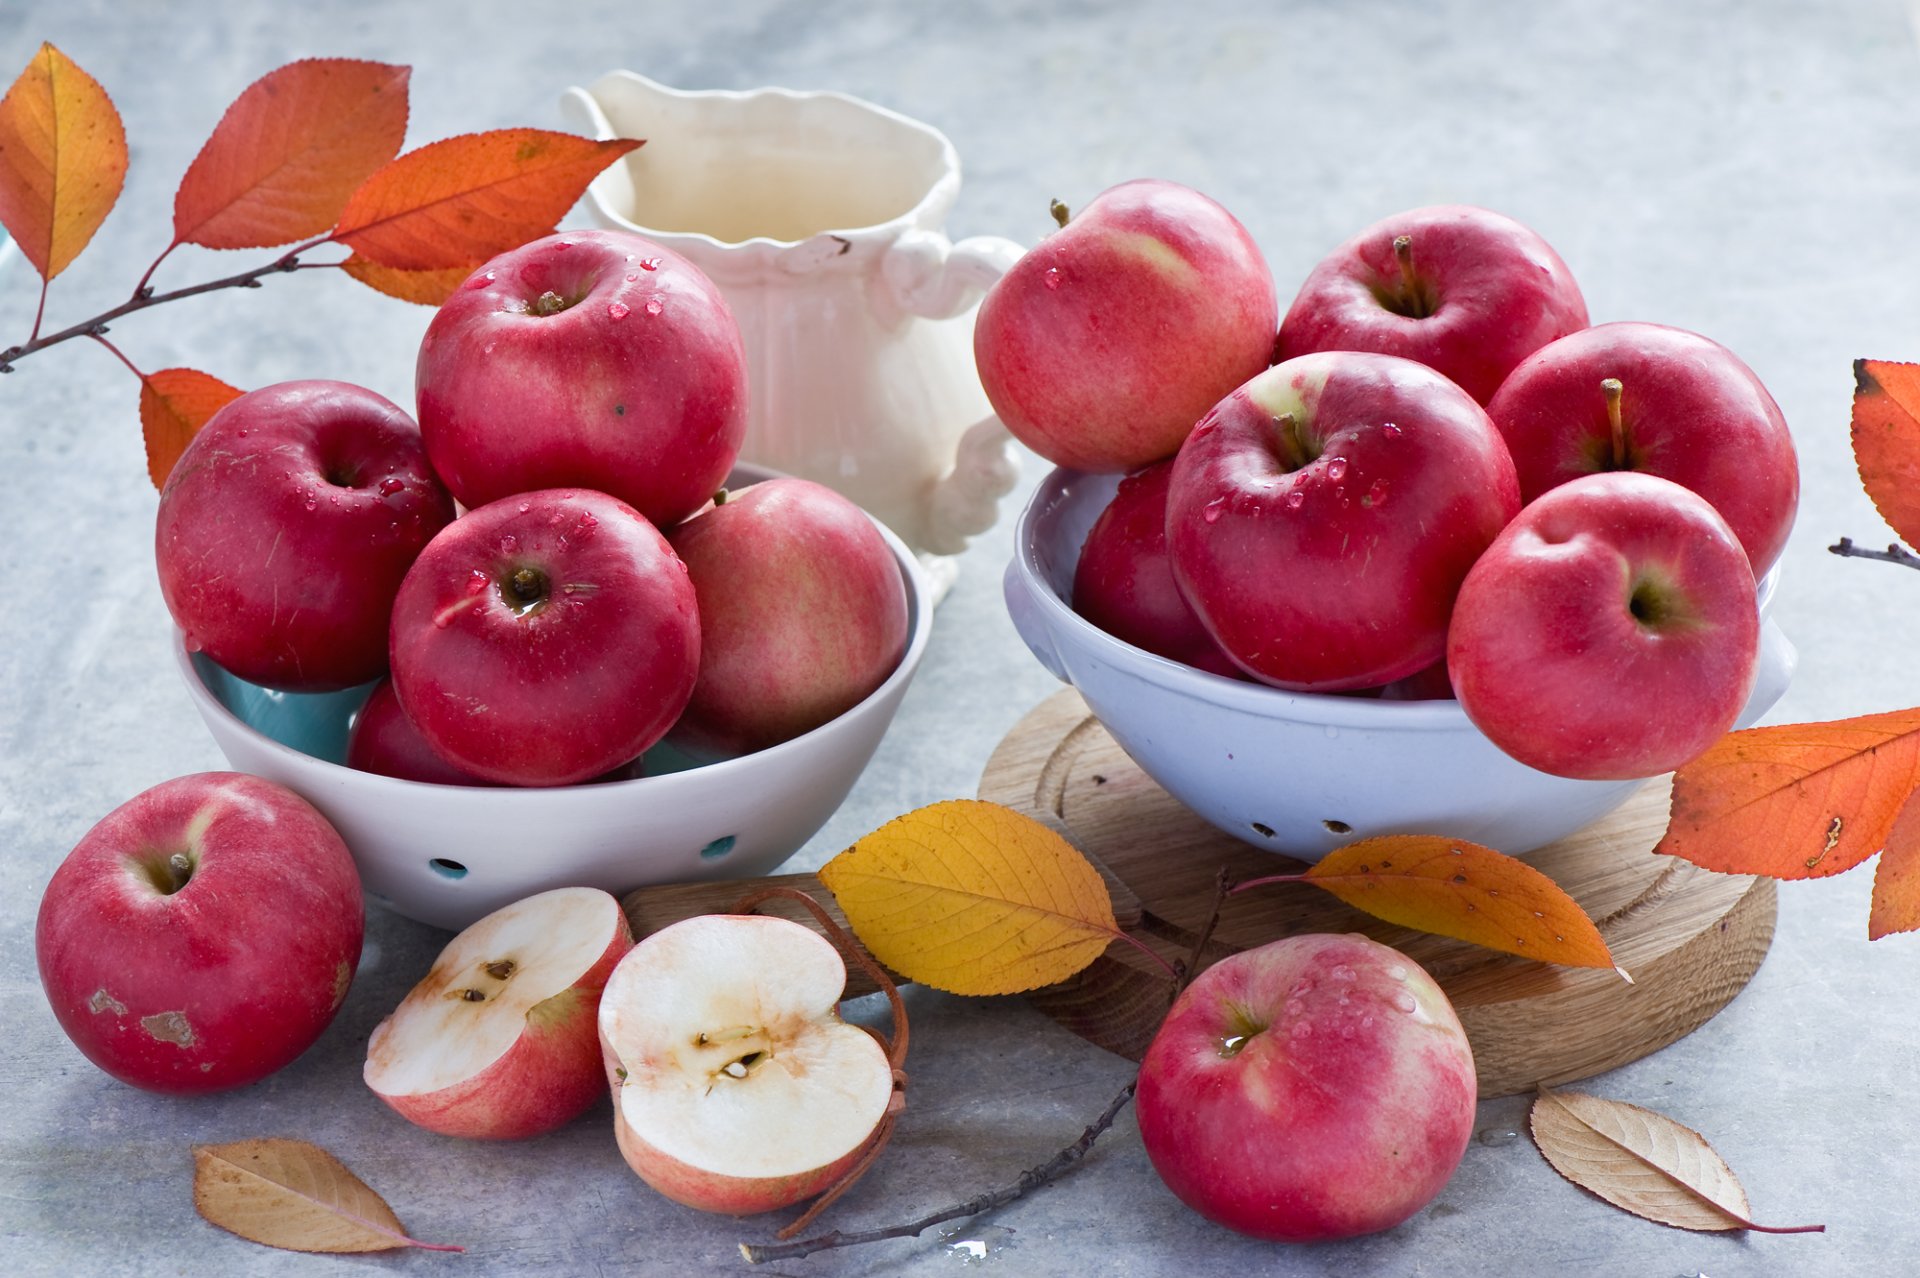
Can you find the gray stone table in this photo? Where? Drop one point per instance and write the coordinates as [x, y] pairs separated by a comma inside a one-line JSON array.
[[1745, 168]]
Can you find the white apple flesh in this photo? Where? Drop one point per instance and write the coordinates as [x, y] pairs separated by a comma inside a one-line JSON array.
[[500, 1040], [737, 1088]]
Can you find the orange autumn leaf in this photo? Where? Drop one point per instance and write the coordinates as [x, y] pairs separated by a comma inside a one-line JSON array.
[[1886, 441], [63, 159], [429, 288], [1896, 880], [468, 198], [290, 151], [1463, 890], [1797, 801], [174, 404], [973, 898]]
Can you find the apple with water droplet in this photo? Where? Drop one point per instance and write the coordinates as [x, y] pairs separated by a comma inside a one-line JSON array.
[[1124, 580], [1321, 518], [501, 1039], [736, 1086], [587, 359], [1314, 1088], [1610, 632], [545, 638], [1109, 339], [1463, 290], [1646, 397], [202, 935], [803, 613], [285, 528]]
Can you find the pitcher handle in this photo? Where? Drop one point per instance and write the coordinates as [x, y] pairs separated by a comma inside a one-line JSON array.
[[928, 276]]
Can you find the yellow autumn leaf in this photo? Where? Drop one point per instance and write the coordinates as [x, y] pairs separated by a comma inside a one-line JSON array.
[[973, 898], [1453, 888]]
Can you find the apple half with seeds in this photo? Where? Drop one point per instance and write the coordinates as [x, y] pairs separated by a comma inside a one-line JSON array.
[[499, 1041], [737, 1088]]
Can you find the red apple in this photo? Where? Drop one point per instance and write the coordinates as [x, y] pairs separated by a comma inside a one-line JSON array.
[[501, 1039], [1322, 517], [736, 1086], [588, 359], [1317, 1087], [1109, 339], [546, 638], [803, 613], [1662, 400], [1124, 581], [1463, 290], [285, 528], [202, 935], [383, 740], [1610, 632]]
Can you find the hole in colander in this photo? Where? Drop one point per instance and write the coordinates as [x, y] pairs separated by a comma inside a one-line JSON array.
[[1337, 827], [718, 848], [448, 869], [1262, 829]]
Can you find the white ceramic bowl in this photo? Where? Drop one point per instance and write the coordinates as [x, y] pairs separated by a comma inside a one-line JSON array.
[[1295, 772], [447, 855]]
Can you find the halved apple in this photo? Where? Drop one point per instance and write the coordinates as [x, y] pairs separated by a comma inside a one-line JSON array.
[[500, 1040], [737, 1088]]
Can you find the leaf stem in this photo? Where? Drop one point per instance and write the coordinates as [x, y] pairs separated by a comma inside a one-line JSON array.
[[141, 287], [1173, 973], [40, 313], [118, 354], [1030, 1180], [285, 263], [1893, 554]]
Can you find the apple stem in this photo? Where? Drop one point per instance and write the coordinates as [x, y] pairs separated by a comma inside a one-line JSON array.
[[720, 498], [548, 303], [1613, 390], [1294, 451], [1060, 213]]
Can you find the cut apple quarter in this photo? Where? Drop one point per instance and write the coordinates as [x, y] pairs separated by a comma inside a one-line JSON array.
[[737, 1087], [500, 1040]]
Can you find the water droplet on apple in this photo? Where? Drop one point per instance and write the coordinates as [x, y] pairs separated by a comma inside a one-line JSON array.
[[1342, 973], [193, 642], [1296, 499], [653, 306], [1378, 493], [1211, 513], [1337, 469], [1392, 430], [312, 504], [1301, 1029], [481, 280], [1397, 972], [525, 506], [476, 582], [616, 310], [563, 246], [632, 278], [392, 484], [1052, 277], [1405, 1002], [1295, 1006], [649, 263]]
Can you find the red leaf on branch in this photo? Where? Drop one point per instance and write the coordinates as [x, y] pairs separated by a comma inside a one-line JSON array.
[[467, 198], [63, 159], [1798, 801], [174, 404], [429, 288], [289, 152], [1886, 441]]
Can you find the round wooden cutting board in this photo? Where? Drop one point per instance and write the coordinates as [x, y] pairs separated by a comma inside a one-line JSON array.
[[1690, 938]]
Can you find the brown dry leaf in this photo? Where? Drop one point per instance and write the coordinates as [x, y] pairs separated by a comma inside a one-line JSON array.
[[1643, 1162], [289, 151], [174, 404], [295, 1196], [1466, 891], [973, 898], [468, 198], [63, 160], [429, 288], [1886, 441], [1797, 801]]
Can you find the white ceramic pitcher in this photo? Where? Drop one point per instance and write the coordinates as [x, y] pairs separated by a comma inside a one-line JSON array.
[[820, 217]]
